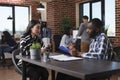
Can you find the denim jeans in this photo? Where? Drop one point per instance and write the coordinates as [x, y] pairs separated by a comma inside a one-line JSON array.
[[4, 48]]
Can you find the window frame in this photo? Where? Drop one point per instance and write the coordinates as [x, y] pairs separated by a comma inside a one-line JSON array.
[[90, 2], [102, 12], [13, 14]]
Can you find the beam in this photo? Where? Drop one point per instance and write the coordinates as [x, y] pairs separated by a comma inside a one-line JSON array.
[[41, 0]]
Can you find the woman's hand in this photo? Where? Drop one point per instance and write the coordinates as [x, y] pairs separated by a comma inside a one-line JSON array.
[[73, 52], [43, 49], [72, 49], [79, 54]]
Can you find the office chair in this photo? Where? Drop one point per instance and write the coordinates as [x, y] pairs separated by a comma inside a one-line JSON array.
[[18, 68], [116, 50], [15, 61], [56, 42]]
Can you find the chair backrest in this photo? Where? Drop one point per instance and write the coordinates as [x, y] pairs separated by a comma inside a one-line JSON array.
[[15, 60], [116, 49], [56, 42]]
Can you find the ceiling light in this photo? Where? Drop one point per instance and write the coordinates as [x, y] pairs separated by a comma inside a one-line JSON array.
[[40, 7], [9, 18]]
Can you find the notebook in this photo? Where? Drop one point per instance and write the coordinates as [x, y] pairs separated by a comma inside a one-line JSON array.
[[63, 57]]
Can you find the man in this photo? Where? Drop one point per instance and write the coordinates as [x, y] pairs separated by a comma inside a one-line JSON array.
[[84, 35], [45, 34], [100, 46]]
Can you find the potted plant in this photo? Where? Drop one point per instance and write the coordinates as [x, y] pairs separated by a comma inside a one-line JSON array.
[[66, 21], [35, 50]]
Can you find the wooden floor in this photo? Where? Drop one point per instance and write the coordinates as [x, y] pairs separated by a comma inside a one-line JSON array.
[[9, 74]]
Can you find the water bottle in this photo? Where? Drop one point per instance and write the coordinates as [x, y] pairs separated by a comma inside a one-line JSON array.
[[44, 57], [46, 54]]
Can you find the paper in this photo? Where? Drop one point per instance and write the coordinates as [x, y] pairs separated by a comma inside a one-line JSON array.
[[75, 32], [63, 57]]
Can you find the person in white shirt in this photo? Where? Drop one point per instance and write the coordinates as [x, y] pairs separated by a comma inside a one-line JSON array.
[[67, 38]]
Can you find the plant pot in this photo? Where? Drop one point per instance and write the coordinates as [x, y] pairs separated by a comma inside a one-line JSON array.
[[35, 53]]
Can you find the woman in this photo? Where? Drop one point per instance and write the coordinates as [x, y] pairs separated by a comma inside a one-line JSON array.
[[8, 44], [66, 41], [67, 45], [31, 35]]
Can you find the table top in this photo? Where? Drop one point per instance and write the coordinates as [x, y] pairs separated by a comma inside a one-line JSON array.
[[83, 68]]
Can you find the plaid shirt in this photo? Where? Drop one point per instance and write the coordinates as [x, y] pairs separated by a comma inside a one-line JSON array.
[[100, 48]]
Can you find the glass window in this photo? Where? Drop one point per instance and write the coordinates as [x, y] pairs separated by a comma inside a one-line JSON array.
[[86, 9], [21, 19], [110, 17], [96, 10], [6, 24], [102, 9]]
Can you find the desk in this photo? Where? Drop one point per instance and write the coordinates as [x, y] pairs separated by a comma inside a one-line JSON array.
[[84, 69]]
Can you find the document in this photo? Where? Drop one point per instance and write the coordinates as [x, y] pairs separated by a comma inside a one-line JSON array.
[[63, 57]]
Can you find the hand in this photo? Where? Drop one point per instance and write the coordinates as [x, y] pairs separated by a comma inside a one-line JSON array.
[[43, 50], [79, 54], [71, 46], [73, 52]]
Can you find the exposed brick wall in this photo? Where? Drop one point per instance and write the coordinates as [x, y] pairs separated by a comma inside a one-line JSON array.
[[56, 10], [24, 3], [59, 8], [116, 40]]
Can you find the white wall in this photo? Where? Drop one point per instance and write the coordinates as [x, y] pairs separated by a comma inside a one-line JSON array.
[[44, 12]]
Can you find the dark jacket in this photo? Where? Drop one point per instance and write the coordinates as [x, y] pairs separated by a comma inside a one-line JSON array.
[[9, 40]]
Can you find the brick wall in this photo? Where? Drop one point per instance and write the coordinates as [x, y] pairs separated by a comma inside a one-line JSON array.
[[56, 10], [116, 40], [24, 3], [59, 8]]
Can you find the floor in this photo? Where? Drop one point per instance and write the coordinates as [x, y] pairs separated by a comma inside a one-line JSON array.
[[9, 74]]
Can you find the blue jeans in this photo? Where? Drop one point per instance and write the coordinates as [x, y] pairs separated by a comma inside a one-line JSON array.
[[4, 48], [64, 50]]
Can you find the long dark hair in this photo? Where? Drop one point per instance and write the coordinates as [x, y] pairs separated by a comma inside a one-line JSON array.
[[6, 34], [7, 38], [31, 24], [67, 31]]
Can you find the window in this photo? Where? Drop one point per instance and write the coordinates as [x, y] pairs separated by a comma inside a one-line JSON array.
[[86, 9], [110, 17], [6, 24], [96, 10], [102, 9], [19, 21]]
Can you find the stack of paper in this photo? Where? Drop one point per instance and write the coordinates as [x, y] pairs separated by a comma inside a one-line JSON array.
[[63, 57]]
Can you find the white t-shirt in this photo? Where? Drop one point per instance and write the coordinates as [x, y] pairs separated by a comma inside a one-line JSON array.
[[66, 40]]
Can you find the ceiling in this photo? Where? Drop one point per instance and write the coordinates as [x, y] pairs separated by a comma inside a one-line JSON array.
[[42, 0]]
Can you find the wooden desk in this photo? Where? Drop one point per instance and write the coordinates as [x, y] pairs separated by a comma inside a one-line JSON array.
[[84, 69]]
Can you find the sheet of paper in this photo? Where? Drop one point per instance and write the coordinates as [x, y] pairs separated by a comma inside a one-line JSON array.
[[75, 32], [63, 57]]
